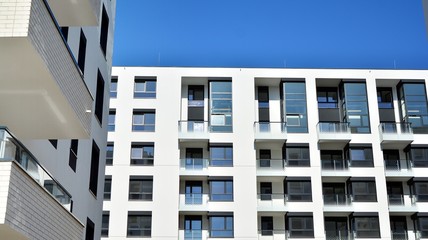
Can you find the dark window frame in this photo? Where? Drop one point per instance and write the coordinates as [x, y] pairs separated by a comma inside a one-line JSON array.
[[139, 231], [141, 183], [144, 93], [143, 126], [225, 195], [142, 161]]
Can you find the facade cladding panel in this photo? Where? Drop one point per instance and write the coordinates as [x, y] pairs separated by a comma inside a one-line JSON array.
[[249, 154]]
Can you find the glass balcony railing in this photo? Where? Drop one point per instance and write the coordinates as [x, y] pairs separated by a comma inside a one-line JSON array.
[[272, 197], [398, 164], [334, 127], [274, 164], [401, 199], [270, 130], [396, 128], [194, 163], [337, 199], [197, 129], [334, 164], [192, 234], [266, 234], [399, 235], [337, 235], [193, 198], [12, 149]]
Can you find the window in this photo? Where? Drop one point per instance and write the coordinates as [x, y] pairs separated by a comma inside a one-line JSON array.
[[113, 87], [267, 226], [221, 190], [300, 226], [95, 162], [293, 106], [141, 188], [421, 224], [221, 156], [144, 88], [109, 154], [362, 191], [360, 156], [420, 190], [72, 160], [143, 121], [107, 188], [263, 99], [334, 193], [111, 120], [82, 52], [332, 159], [384, 98], [265, 191], [54, 142], [221, 226], [327, 98], [265, 157], [104, 31], [105, 224], [195, 96], [297, 156], [413, 105], [193, 191], [419, 156], [354, 106], [298, 190], [365, 227], [139, 224], [221, 106], [90, 229], [99, 98], [142, 154]]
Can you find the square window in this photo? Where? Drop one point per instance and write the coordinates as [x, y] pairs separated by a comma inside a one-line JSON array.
[[139, 224], [143, 121], [142, 154], [141, 188], [145, 88]]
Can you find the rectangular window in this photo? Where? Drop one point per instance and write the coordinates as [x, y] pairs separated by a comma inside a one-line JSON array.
[[360, 156], [263, 99], [141, 188], [144, 87], [95, 164], [111, 120], [221, 190], [139, 224], [267, 226], [82, 52], [221, 156], [105, 224], [413, 105], [195, 96], [384, 98], [265, 157], [107, 188], [365, 227], [298, 190], [300, 226], [109, 154], [327, 98], [143, 121], [265, 191], [421, 224], [362, 191], [104, 31], [72, 160], [99, 99], [113, 87], [420, 190], [418, 156], [90, 229], [142, 154], [293, 106], [221, 106], [221, 226], [297, 156], [354, 106]]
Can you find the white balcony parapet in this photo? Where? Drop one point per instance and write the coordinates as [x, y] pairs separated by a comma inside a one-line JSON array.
[[391, 133], [193, 130], [270, 131], [333, 131]]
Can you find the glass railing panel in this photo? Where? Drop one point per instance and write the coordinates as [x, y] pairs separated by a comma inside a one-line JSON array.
[[192, 234], [193, 199], [330, 164], [270, 164], [399, 235], [396, 128], [193, 126], [270, 127], [194, 163], [334, 127], [397, 164], [337, 199]]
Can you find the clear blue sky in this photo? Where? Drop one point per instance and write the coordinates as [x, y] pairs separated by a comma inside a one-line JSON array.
[[271, 33]]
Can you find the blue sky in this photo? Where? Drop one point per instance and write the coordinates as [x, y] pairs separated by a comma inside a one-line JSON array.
[[271, 33]]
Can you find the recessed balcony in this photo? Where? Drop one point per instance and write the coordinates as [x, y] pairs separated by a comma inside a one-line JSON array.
[[193, 130], [272, 202], [336, 133], [395, 135], [398, 168], [43, 93], [270, 131], [22, 176], [194, 202], [402, 203], [76, 12]]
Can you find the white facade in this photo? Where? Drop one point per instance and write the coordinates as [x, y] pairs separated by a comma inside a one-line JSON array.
[[56, 66], [274, 160]]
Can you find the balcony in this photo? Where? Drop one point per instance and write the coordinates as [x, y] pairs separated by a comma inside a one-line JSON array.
[[22, 176], [270, 167], [193, 234], [76, 12], [402, 203], [399, 235], [338, 235], [395, 135], [194, 202], [271, 202], [334, 133], [270, 131], [194, 166], [43, 94], [335, 167], [193, 130], [398, 168]]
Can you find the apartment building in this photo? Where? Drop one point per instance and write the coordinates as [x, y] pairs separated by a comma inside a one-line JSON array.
[[221, 153], [55, 59]]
